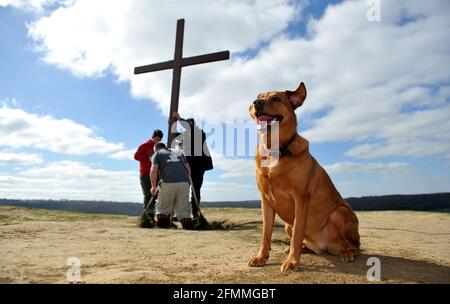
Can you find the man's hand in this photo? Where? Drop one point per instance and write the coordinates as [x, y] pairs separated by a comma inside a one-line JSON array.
[[154, 178], [153, 190], [176, 115]]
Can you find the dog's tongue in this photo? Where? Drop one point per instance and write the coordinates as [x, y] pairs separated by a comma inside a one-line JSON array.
[[264, 118]]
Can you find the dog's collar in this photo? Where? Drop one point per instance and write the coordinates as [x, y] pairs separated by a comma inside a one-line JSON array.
[[284, 151]]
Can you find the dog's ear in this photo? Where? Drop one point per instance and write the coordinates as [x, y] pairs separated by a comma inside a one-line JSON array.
[[298, 96]]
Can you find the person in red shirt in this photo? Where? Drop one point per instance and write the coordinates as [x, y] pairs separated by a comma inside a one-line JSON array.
[[143, 155]]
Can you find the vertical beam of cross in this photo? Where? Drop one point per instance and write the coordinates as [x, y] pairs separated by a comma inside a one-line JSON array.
[[176, 64], [176, 78]]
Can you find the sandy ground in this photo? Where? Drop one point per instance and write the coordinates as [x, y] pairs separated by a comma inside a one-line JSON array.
[[413, 247]]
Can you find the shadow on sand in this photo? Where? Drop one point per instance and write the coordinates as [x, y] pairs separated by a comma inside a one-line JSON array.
[[392, 269], [225, 225]]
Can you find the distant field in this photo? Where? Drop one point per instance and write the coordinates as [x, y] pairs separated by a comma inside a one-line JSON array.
[[418, 202], [413, 247]]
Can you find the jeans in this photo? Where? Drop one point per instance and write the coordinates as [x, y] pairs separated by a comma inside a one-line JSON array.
[[146, 186], [197, 181]]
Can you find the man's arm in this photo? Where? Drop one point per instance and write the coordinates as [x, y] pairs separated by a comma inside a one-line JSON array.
[[141, 153], [188, 168], [183, 160], [154, 172], [154, 178], [183, 122]]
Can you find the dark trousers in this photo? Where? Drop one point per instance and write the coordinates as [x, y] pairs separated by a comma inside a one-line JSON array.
[[197, 181], [146, 186]]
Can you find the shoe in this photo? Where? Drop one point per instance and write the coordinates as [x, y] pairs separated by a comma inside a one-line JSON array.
[[147, 220], [187, 224]]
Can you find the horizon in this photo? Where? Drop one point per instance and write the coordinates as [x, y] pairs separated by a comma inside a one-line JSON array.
[[206, 202]]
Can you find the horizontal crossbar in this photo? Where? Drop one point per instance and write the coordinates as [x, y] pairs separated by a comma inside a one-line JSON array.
[[225, 55]]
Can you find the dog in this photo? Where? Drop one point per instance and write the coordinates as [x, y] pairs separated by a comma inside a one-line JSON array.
[[297, 188]]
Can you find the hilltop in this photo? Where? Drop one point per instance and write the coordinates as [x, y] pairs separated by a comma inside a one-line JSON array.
[[412, 247]]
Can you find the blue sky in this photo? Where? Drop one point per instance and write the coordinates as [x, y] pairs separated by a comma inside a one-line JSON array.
[[72, 113]]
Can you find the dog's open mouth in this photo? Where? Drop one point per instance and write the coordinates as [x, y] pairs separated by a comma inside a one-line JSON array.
[[265, 121]]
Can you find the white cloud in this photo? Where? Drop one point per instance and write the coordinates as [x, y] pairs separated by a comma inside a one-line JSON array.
[[418, 134], [19, 129], [70, 169], [71, 180], [386, 82], [228, 191], [32, 5], [75, 180], [415, 148], [9, 158], [126, 154], [364, 73], [234, 168], [132, 33], [351, 167], [360, 179], [393, 182], [5, 102]]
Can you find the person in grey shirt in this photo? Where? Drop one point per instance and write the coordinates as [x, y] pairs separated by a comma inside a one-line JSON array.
[[173, 194]]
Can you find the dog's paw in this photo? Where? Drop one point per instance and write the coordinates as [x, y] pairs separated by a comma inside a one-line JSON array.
[[349, 255], [290, 264], [258, 261]]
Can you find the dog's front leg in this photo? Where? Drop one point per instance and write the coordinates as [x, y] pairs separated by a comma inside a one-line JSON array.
[[292, 262], [268, 220]]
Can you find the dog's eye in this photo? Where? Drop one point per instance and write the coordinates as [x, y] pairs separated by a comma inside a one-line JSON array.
[[275, 99]]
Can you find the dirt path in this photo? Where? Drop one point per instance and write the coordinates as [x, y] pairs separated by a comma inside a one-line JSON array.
[[35, 244]]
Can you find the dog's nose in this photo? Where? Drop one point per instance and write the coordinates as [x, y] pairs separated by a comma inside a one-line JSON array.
[[257, 103]]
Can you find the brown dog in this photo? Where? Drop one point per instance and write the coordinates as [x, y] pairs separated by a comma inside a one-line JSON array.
[[297, 188]]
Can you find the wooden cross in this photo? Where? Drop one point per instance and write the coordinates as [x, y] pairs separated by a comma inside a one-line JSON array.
[[176, 64]]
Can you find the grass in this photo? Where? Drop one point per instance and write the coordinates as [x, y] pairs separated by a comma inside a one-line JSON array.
[[34, 214], [62, 216], [5, 220]]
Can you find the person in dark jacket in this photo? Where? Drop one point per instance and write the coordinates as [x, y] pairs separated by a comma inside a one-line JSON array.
[[197, 154], [143, 155]]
